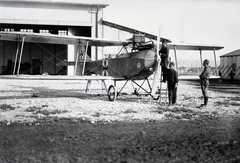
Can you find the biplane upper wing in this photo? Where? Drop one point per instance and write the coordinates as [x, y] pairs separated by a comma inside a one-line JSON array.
[[183, 46], [59, 39]]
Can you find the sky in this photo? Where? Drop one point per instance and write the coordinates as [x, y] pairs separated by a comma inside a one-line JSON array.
[[182, 21]]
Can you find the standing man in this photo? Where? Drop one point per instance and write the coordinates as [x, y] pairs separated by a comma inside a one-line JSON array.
[[172, 83], [232, 74], [164, 53], [204, 81]]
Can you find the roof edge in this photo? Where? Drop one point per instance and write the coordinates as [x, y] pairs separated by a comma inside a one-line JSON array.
[[48, 4], [231, 54]]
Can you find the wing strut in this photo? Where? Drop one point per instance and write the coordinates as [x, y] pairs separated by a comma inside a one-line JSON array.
[[76, 62], [175, 52], [215, 61], [20, 57], [85, 57], [16, 56], [201, 58]]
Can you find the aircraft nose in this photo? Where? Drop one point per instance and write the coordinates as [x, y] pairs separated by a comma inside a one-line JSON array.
[[150, 59]]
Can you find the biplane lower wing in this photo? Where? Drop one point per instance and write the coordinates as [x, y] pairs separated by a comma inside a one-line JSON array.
[[61, 77]]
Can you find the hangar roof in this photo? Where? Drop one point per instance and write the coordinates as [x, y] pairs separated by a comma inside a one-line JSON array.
[[231, 54], [49, 4]]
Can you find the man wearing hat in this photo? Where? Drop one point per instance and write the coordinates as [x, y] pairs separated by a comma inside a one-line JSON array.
[[172, 83], [204, 81], [164, 53]]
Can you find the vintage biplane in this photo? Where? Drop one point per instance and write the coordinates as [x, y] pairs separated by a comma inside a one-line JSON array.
[[138, 59]]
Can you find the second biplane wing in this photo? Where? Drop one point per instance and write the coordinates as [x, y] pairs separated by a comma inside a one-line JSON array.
[[198, 47], [59, 39], [184, 46]]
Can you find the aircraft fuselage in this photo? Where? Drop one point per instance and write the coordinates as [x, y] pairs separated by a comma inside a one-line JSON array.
[[134, 65]]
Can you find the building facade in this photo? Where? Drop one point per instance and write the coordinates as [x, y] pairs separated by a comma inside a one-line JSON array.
[[62, 18], [230, 65]]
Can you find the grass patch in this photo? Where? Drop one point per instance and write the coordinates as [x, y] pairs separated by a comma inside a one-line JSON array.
[[129, 111], [33, 109], [176, 109], [228, 103], [5, 107], [234, 103], [40, 110], [173, 116], [97, 114], [48, 112]]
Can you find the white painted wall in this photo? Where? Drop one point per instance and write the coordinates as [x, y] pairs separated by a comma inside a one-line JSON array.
[[86, 16], [45, 16]]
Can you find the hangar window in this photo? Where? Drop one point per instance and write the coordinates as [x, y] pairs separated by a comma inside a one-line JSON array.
[[62, 32], [27, 30], [44, 31], [8, 29]]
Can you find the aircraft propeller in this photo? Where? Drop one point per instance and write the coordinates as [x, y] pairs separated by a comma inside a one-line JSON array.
[[157, 70]]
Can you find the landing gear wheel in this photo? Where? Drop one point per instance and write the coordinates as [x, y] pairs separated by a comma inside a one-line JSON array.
[[155, 97], [112, 93]]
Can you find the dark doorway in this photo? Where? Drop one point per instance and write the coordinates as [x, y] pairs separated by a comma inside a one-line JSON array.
[[36, 66]]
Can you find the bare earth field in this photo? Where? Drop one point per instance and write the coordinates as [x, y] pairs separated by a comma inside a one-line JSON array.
[[56, 121]]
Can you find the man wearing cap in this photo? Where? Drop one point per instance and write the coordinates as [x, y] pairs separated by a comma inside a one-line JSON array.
[[164, 53], [172, 83], [204, 81]]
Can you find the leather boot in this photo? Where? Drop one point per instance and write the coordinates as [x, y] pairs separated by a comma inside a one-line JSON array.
[[205, 100]]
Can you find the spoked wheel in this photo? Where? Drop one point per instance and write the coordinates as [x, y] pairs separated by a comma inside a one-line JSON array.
[[112, 93], [155, 97]]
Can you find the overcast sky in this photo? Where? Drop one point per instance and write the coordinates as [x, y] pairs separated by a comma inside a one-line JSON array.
[[189, 21]]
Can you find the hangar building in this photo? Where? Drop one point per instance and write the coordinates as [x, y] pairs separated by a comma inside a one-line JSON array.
[[47, 16], [230, 65]]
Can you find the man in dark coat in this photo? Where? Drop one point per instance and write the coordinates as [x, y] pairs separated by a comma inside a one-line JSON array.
[[9, 67], [204, 81], [172, 83], [164, 53]]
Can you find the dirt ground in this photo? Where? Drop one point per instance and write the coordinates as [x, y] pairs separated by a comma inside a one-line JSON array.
[[56, 121]]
